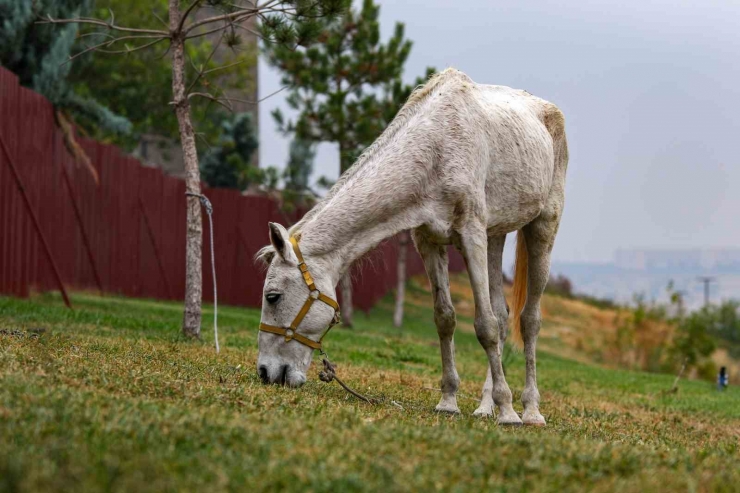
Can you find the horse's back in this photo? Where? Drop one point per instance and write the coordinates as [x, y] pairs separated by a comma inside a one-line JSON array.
[[494, 149], [520, 140]]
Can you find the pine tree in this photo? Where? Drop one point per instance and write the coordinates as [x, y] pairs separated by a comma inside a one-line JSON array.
[[227, 164], [138, 85], [300, 165], [346, 88], [37, 53]]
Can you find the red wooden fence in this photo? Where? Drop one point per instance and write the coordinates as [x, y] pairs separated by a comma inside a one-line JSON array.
[[133, 222]]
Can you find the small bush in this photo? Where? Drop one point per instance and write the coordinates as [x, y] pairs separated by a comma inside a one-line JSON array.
[[560, 286]]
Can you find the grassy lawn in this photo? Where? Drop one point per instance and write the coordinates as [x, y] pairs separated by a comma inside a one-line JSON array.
[[109, 397]]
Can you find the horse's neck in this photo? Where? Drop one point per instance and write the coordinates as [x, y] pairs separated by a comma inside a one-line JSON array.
[[379, 201]]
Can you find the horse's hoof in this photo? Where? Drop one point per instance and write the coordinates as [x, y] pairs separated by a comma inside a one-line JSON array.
[[533, 418], [483, 412], [509, 418], [446, 409]]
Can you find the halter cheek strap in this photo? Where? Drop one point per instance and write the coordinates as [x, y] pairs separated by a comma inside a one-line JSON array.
[[313, 295]]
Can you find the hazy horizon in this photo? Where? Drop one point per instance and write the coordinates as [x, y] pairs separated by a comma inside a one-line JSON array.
[[649, 90]]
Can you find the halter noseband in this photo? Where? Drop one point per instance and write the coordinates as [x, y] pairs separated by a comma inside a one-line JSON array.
[[313, 295]]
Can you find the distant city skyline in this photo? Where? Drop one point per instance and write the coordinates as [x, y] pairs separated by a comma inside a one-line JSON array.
[[648, 272], [694, 258]]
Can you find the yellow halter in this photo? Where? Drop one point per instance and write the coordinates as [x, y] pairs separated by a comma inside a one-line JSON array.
[[313, 295]]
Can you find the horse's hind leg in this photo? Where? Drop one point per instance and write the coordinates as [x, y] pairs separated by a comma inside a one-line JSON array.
[[436, 265], [500, 310], [539, 236]]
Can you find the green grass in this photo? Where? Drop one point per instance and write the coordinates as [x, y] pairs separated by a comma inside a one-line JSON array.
[[109, 397]]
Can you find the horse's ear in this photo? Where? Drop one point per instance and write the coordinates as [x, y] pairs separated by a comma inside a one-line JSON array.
[[280, 240]]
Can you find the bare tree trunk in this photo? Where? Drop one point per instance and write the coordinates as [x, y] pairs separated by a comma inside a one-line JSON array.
[[403, 247], [193, 242], [345, 285], [674, 387]]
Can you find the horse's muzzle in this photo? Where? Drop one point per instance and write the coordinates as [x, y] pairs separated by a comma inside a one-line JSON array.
[[282, 375]]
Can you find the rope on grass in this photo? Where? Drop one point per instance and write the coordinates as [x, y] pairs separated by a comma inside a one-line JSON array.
[[209, 210], [329, 373]]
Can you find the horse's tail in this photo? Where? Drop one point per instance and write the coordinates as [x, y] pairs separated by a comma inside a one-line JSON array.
[[519, 291]]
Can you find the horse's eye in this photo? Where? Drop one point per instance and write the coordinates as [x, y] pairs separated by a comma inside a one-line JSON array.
[[272, 298]]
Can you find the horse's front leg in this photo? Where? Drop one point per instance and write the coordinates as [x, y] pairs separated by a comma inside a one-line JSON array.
[[436, 265], [474, 243]]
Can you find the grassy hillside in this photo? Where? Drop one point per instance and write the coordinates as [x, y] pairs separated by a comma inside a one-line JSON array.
[[107, 397]]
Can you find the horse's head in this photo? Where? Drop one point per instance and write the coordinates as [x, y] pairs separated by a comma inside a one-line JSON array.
[[298, 308]]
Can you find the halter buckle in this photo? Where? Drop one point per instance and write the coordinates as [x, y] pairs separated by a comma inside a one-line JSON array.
[[289, 333]]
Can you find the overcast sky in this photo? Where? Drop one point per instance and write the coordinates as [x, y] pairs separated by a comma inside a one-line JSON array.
[[651, 95]]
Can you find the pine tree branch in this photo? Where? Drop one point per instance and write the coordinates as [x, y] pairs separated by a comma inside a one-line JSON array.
[[130, 50], [232, 23], [97, 22], [186, 14], [210, 97], [235, 16], [210, 55], [243, 13], [226, 101], [253, 32], [223, 67], [156, 16], [110, 42]]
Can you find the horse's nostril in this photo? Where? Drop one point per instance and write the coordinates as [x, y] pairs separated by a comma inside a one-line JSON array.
[[262, 370], [283, 374]]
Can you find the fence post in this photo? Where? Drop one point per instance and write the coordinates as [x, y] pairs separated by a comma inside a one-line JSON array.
[[35, 221]]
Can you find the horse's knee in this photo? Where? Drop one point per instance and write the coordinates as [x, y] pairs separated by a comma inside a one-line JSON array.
[[531, 321], [444, 318], [503, 326], [501, 312], [487, 331]]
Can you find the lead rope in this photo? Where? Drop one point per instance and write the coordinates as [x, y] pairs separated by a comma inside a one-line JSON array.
[[329, 373], [209, 210]]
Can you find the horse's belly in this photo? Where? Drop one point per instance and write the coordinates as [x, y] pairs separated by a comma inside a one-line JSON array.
[[501, 222], [512, 205]]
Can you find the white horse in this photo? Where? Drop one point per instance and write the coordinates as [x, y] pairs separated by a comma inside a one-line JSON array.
[[464, 164]]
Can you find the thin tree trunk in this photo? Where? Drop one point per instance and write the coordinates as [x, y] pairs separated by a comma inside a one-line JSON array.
[[193, 242], [403, 246], [345, 285], [674, 387]]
